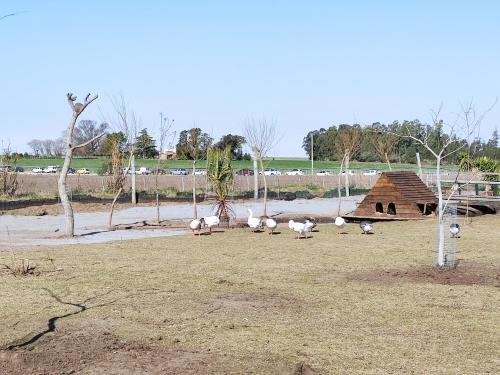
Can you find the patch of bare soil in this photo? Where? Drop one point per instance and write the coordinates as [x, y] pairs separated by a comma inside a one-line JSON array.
[[56, 209], [466, 273], [89, 352], [241, 301]]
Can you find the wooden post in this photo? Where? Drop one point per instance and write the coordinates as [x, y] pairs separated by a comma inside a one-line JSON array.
[[419, 166]]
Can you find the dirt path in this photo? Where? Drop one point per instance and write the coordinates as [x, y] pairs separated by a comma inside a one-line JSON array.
[[90, 227]]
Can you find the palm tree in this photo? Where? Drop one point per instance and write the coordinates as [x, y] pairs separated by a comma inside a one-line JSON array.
[[220, 178]]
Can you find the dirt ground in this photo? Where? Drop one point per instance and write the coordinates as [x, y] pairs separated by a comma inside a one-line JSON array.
[[240, 302], [56, 209], [138, 222]]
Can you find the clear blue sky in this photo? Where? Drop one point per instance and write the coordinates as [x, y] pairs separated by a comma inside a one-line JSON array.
[[214, 64]]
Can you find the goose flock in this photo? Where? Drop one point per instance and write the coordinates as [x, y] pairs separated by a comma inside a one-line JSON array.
[[269, 225]]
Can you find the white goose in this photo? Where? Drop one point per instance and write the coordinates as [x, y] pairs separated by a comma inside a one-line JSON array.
[[339, 223], [211, 221], [300, 228], [253, 222], [269, 223], [197, 224], [366, 226]]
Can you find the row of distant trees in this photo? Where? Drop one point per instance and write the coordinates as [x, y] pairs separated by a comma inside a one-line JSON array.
[[381, 142], [192, 144], [377, 142]]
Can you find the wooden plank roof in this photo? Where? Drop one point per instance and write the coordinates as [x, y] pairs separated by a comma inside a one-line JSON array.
[[410, 186]]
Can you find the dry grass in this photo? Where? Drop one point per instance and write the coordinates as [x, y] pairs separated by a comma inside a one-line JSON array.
[[248, 302]]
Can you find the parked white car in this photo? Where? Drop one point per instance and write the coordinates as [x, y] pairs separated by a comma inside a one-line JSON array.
[[271, 172], [50, 169], [144, 170], [37, 170], [350, 172], [200, 172], [370, 172], [295, 172], [323, 173]]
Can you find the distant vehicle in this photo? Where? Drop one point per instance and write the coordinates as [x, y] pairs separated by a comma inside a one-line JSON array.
[[370, 172], [271, 172], [83, 171], [245, 172], [323, 173], [19, 169], [50, 169], [6, 168], [37, 170], [144, 170], [200, 172], [179, 172], [71, 170], [159, 171], [295, 172], [349, 172]]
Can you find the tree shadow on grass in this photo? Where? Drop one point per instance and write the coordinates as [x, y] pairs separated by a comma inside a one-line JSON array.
[[51, 324]]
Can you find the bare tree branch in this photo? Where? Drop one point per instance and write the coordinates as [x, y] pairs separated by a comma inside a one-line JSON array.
[[88, 142], [11, 14]]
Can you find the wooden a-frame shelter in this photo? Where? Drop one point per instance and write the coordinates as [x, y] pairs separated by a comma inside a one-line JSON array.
[[397, 195]]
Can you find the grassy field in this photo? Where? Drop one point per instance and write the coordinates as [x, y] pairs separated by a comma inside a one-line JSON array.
[[357, 304], [94, 164]]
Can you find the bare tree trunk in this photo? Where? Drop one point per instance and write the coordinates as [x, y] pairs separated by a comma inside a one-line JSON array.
[[61, 185], [157, 192], [440, 213], [195, 208], [117, 195], [255, 179], [347, 175], [339, 186], [112, 210], [388, 161], [132, 177], [265, 187], [77, 109]]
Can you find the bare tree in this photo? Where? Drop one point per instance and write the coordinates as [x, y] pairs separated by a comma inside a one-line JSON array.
[[165, 126], [466, 124], [116, 178], [261, 138], [36, 146], [339, 184], [59, 146], [8, 174], [383, 143], [86, 130], [348, 142], [77, 109], [126, 123], [48, 147]]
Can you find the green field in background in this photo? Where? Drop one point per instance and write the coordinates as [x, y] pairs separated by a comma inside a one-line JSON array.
[[94, 164]]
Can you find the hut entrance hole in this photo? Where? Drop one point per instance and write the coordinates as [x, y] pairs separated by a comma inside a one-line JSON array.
[[425, 208], [391, 209], [379, 208]]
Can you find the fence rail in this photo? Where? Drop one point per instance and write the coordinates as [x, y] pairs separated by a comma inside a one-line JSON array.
[[47, 184]]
